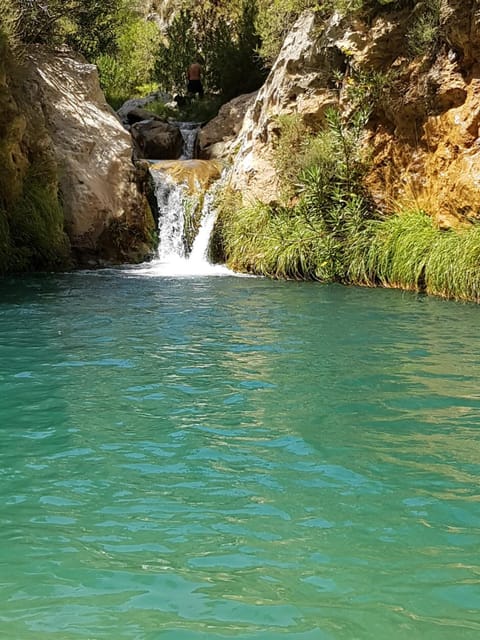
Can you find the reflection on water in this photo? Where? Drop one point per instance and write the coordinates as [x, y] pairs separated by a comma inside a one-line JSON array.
[[236, 458]]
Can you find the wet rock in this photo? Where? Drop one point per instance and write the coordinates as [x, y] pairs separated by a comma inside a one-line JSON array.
[[157, 140], [138, 115]]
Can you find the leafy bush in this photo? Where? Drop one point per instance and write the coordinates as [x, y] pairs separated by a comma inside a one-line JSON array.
[[308, 239], [111, 34], [88, 25], [123, 73]]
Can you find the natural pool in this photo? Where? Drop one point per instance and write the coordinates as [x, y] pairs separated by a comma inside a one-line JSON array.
[[221, 457]]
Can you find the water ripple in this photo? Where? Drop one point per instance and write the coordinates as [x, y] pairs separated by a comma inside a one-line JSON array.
[[236, 458]]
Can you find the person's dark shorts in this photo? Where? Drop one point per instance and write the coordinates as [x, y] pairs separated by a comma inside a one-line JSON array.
[[195, 86]]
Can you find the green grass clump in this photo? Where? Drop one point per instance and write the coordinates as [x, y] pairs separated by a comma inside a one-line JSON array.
[[394, 252], [282, 242], [453, 268], [406, 251]]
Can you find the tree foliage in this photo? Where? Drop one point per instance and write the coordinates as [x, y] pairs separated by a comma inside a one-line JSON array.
[[89, 26], [226, 46]]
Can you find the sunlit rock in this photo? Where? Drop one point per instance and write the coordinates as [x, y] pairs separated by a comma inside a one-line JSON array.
[[217, 138], [197, 175], [297, 83], [106, 217]]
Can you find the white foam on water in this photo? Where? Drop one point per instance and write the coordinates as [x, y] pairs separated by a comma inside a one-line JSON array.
[[177, 268]]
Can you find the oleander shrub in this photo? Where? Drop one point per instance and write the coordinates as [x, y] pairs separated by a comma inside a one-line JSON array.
[[306, 239]]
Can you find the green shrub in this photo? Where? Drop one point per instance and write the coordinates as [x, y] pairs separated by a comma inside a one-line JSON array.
[[308, 239], [123, 73], [424, 34], [89, 26]]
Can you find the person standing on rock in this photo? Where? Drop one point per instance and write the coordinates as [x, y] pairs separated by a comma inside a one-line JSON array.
[[194, 83]]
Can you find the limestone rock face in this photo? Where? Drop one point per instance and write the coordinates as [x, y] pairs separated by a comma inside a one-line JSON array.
[[424, 131], [297, 83], [426, 145], [106, 216]]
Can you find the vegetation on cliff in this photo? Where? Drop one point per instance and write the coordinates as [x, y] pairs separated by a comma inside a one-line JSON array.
[[328, 230], [31, 217], [324, 225]]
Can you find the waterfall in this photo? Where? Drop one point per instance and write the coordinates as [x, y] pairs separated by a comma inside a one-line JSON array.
[[189, 131], [171, 202], [199, 252], [173, 255]]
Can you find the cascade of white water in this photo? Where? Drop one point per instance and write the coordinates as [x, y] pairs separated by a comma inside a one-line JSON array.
[[171, 201], [199, 252], [189, 131], [172, 258]]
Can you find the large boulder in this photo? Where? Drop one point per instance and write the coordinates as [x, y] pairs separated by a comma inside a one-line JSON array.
[[157, 140], [140, 103], [32, 232], [139, 115], [216, 137], [107, 218]]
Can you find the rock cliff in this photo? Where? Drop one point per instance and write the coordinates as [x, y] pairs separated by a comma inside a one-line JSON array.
[[423, 131]]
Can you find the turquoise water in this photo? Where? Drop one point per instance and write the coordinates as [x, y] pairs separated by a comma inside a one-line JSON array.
[[211, 458]]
